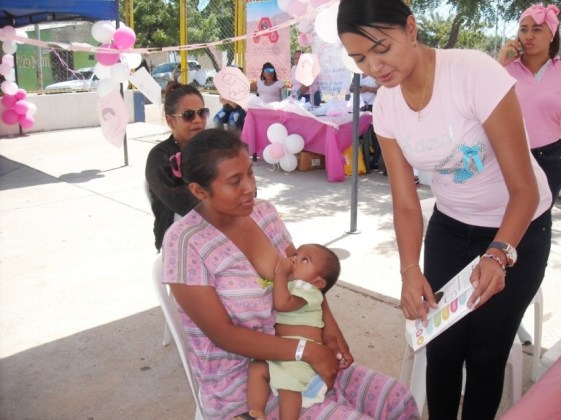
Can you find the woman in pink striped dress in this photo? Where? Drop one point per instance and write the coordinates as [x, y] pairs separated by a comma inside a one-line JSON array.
[[216, 259]]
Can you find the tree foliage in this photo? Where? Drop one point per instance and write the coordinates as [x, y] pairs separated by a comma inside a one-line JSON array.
[[465, 15], [156, 24]]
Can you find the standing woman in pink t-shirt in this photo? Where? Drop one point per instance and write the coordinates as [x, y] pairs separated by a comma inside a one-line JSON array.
[[533, 60], [455, 114]]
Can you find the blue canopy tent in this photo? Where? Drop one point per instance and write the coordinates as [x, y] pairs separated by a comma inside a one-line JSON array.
[[19, 13]]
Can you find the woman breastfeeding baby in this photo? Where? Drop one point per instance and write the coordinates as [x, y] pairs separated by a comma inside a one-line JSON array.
[[216, 259]]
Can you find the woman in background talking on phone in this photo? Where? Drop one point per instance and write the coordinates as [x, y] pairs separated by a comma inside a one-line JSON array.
[[533, 60]]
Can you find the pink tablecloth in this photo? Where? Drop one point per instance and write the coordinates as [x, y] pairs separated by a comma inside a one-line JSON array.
[[542, 401], [320, 137]]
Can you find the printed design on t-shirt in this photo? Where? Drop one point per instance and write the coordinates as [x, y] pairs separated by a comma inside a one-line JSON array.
[[469, 162]]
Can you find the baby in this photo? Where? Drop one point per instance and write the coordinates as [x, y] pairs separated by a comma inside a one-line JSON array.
[[299, 285]]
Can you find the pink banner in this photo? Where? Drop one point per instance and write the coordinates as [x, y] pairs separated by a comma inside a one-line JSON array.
[[273, 45]]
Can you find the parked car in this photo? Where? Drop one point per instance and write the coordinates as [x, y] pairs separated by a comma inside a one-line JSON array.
[[165, 72], [83, 80]]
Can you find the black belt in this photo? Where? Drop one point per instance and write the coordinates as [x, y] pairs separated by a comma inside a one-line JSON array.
[[548, 147]]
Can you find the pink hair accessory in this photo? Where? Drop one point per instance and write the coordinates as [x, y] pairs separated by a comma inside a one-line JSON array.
[[542, 14], [175, 161]]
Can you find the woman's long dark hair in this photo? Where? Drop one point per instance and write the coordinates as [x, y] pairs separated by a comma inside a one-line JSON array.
[[355, 15]]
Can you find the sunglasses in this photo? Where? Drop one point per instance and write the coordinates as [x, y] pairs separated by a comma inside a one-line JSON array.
[[268, 70], [189, 115]]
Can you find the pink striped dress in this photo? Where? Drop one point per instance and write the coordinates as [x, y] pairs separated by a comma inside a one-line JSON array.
[[196, 253]]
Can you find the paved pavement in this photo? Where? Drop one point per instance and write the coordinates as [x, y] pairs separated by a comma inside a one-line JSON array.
[[81, 327]]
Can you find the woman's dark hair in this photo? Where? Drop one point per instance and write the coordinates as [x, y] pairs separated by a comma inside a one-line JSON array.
[[268, 65], [355, 15], [331, 270], [202, 154], [554, 46], [174, 92]]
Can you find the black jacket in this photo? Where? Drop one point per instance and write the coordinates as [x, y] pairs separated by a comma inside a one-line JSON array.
[[168, 195]]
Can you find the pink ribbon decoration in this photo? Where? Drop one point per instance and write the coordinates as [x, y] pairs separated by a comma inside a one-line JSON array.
[[542, 14], [175, 161]]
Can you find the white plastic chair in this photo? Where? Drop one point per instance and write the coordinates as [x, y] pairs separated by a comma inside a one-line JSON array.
[[174, 326], [413, 373]]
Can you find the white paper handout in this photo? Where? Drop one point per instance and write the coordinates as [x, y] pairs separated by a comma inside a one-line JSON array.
[[452, 307]]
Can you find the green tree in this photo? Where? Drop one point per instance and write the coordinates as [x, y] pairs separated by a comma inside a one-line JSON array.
[[156, 24], [467, 13], [435, 31]]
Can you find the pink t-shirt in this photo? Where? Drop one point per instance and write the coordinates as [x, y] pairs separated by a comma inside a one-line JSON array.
[[540, 100], [449, 140], [272, 93]]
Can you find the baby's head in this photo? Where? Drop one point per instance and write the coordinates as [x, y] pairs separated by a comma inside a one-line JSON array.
[[317, 265]]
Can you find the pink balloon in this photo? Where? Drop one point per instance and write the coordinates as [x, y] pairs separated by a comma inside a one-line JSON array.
[[21, 94], [124, 38], [303, 39], [276, 150], [296, 8], [9, 101], [106, 59], [26, 121], [21, 107], [9, 116]]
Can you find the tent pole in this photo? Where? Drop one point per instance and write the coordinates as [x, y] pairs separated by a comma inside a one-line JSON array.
[[354, 188], [125, 146]]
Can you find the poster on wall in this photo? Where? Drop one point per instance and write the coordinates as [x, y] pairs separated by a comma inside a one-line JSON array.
[[273, 47]]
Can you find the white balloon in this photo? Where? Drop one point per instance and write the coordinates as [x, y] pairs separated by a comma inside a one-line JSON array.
[[9, 47], [21, 33], [8, 59], [119, 73], [5, 69], [306, 25], [102, 72], [9, 88], [283, 4], [267, 156], [106, 86], [326, 24], [132, 60], [288, 163], [31, 108], [103, 31], [349, 62], [11, 76], [276, 133], [294, 143]]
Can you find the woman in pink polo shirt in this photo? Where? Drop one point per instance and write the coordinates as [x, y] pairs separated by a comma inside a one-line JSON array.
[[533, 60]]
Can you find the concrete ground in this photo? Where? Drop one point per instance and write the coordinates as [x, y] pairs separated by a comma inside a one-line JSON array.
[[80, 322]]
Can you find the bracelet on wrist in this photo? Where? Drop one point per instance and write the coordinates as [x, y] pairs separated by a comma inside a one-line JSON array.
[[300, 349], [495, 258], [409, 267]]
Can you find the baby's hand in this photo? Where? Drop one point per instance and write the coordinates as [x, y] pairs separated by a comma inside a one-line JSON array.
[[283, 267]]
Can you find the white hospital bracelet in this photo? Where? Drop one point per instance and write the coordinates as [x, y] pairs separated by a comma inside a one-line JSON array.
[[300, 350]]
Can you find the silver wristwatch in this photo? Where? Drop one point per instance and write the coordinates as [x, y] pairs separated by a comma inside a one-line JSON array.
[[509, 251]]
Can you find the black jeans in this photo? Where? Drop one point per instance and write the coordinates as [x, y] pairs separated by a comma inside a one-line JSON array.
[[482, 340], [549, 158]]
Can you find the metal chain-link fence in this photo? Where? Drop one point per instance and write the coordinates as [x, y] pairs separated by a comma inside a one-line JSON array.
[[218, 22]]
